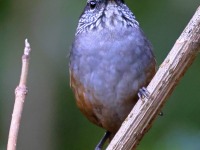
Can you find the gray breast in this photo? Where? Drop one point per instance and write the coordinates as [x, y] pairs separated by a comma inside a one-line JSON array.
[[111, 64]]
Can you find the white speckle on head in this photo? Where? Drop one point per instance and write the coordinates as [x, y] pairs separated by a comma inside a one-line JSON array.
[[98, 22]]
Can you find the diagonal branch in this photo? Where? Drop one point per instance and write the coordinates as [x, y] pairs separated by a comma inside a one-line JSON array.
[[20, 95], [162, 85]]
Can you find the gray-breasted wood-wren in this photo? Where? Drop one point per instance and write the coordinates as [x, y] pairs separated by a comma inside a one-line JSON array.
[[110, 60]]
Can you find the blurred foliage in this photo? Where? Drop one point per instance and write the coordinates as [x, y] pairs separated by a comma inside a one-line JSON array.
[[51, 120]]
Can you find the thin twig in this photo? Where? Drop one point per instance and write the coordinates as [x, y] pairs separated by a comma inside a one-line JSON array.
[[169, 74], [20, 95]]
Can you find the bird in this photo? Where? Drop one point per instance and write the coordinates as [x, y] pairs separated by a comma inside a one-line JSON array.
[[111, 60]]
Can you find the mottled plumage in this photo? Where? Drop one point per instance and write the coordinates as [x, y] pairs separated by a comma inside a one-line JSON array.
[[110, 60]]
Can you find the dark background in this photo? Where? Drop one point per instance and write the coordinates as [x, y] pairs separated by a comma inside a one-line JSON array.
[[50, 119]]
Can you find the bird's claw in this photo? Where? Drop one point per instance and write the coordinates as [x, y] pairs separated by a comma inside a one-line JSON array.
[[143, 93]]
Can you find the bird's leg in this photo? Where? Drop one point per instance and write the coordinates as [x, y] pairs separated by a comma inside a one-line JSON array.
[[102, 141]]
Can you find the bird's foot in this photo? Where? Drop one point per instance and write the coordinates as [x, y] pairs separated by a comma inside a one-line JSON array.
[[143, 93]]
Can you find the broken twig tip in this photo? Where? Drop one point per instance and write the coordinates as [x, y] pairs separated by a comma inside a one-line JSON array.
[[27, 48]]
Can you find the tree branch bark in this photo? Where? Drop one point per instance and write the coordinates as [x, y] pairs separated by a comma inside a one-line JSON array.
[[20, 95], [162, 85]]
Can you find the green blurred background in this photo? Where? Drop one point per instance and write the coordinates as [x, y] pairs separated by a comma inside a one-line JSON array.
[[50, 119]]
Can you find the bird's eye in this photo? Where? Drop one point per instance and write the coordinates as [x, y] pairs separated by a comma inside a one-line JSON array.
[[92, 4]]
